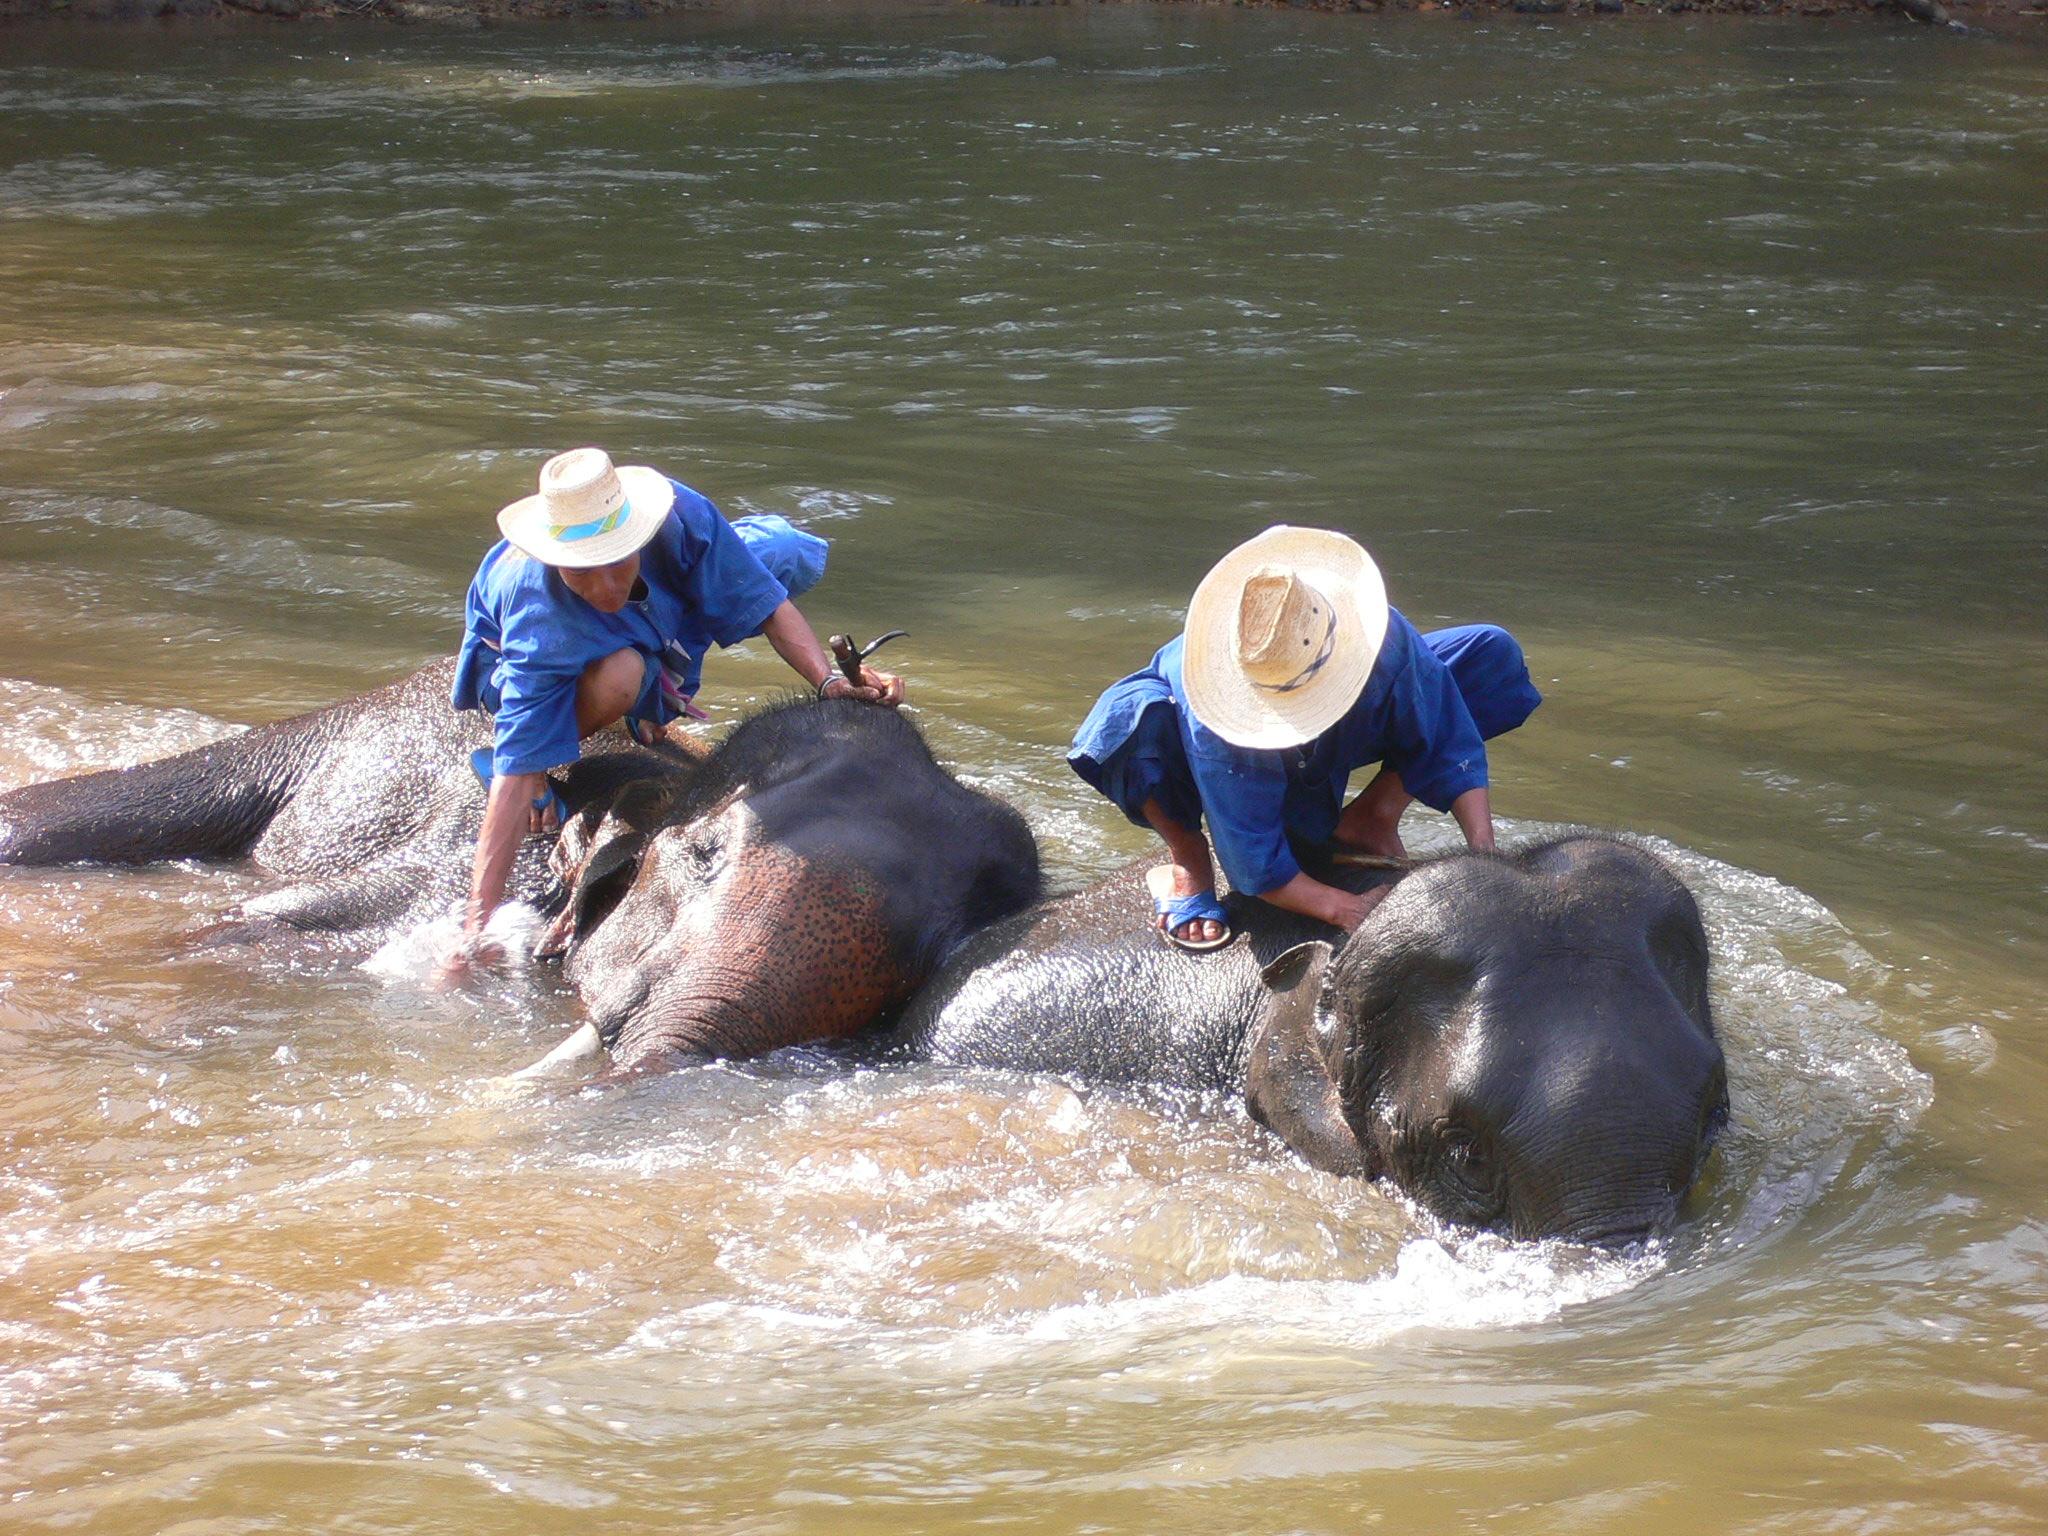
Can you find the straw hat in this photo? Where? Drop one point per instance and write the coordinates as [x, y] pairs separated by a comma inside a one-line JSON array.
[[587, 512], [1281, 636]]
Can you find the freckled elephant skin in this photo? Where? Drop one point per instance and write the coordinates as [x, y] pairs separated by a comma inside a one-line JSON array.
[[1521, 1042], [808, 880]]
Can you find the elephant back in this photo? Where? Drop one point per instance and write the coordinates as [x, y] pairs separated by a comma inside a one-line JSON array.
[[1083, 985]]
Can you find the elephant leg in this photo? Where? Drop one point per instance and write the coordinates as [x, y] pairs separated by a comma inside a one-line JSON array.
[[211, 803]]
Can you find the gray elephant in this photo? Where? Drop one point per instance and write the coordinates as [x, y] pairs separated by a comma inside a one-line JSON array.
[[1519, 1042], [794, 883]]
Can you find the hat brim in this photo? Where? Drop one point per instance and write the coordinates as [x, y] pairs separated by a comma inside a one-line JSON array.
[[1228, 702], [649, 495]]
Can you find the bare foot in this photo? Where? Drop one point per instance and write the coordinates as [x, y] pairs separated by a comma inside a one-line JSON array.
[[1382, 838], [1169, 881]]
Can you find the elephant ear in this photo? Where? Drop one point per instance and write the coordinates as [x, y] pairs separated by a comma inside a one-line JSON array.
[[597, 856], [1288, 1087]]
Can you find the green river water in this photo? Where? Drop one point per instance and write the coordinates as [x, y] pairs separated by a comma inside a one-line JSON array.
[[1708, 358]]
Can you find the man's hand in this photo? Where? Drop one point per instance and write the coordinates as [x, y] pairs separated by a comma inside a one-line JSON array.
[[877, 687], [1326, 903], [509, 813], [1349, 911], [472, 953], [797, 643]]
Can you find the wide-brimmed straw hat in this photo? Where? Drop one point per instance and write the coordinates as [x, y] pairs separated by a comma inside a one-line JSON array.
[[588, 513], [1281, 636]]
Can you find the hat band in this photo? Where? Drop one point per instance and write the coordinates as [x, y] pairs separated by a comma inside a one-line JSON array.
[[1302, 678], [569, 533]]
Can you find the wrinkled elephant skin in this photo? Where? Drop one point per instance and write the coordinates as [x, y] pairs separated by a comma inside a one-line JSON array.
[[1520, 1042], [790, 884], [365, 813], [809, 879]]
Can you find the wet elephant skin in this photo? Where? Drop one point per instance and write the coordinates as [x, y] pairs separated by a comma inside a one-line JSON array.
[[809, 878], [790, 884], [365, 812], [1522, 1042]]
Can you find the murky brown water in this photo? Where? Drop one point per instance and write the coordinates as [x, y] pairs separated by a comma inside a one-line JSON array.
[[1710, 359]]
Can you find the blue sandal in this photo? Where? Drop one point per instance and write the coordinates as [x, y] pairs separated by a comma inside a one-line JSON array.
[[1179, 911], [549, 799]]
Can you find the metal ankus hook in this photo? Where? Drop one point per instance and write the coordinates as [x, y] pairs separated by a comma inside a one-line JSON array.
[[849, 656]]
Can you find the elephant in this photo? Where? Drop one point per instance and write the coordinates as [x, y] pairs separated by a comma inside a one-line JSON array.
[[801, 884], [792, 883], [1521, 1042]]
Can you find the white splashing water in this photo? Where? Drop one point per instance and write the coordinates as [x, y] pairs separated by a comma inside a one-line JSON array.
[[412, 956], [51, 733]]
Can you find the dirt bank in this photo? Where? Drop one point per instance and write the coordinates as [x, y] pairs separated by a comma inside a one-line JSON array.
[[2025, 17]]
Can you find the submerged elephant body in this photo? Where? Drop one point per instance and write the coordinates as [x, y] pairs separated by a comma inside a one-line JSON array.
[[1519, 1042], [365, 812], [788, 885]]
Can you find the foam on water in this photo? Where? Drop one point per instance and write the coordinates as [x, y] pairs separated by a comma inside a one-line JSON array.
[[694, 68], [1463, 1281]]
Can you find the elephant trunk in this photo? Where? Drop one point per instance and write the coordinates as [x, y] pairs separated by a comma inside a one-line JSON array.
[[1615, 1153], [1624, 1208]]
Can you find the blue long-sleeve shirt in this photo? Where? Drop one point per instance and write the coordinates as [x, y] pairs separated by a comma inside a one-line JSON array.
[[1410, 716], [527, 638]]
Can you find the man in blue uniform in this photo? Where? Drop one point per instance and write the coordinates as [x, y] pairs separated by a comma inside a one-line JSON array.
[[1292, 672], [598, 607]]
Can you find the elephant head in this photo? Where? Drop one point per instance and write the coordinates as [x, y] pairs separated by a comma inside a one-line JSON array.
[[1521, 1043], [802, 880]]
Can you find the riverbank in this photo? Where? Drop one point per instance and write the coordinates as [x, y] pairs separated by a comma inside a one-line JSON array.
[[1999, 15]]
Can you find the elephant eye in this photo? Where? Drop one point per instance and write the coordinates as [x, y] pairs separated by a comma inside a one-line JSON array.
[[1469, 1166], [705, 855]]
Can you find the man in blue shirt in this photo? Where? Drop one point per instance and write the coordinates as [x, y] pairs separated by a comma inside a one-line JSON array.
[[598, 607], [1292, 672]]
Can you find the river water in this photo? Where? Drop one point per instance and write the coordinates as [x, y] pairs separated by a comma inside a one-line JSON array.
[[1709, 358]]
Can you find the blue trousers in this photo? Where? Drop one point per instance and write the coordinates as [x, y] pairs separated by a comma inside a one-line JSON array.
[[1484, 660]]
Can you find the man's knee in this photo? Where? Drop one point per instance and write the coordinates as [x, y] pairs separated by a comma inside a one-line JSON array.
[[1492, 673], [608, 688], [1502, 648]]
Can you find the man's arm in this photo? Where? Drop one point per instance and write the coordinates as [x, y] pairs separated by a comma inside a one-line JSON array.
[[797, 643], [507, 816], [1326, 903], [1474, 812]]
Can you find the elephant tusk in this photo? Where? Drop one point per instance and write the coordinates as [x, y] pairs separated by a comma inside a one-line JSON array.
[[584, 1045]]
